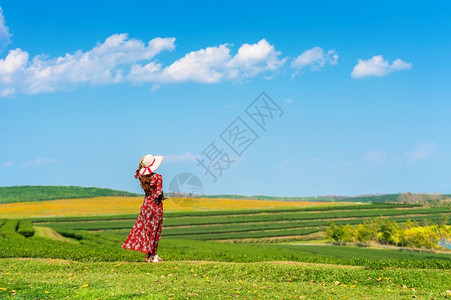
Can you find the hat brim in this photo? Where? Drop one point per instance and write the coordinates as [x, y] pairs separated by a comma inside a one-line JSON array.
[[153, 168]]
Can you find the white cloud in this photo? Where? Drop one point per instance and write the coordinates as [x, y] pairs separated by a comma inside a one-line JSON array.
[[104, 64], [39, 161], [421, 152], [288, 101], [376, 157], [253, 59], [155, 88], [8, 164], [188, 156], [213, 65], [378, 66], [120, 59], [206, 65], [314, 58], [5, 36]]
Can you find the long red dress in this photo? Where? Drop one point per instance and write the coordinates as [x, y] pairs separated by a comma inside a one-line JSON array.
[[146, 232]]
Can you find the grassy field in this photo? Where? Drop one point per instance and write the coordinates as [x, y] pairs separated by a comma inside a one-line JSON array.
[[92, 266], [10, 194], [289, 223], [57, 279], [115, 205], [247, 252]]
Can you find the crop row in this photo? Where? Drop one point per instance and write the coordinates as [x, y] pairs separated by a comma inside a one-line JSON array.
[[299, 216], [25, 228], [170, 231], [9, 226], [211, 213], [92, 247], [191, 221], [225, 227], [248, 235], [320, 208], [236, 231]]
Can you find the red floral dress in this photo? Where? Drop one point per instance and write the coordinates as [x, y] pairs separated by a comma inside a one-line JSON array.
[[146, 232]]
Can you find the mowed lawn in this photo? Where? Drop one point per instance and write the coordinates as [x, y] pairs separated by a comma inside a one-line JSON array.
[[59, 279], [124, 205]]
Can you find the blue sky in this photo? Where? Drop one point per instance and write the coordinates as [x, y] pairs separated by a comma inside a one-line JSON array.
[[87, 89]]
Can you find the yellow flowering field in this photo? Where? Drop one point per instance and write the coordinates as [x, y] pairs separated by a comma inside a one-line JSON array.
[[118, 205]]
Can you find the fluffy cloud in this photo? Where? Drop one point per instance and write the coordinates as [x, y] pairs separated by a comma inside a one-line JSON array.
[[378, 66], [4, 32], [314, 58], [104, 64], [213, 65], [121, 59]]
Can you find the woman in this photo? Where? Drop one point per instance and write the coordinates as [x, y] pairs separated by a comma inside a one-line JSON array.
[[146, 232]]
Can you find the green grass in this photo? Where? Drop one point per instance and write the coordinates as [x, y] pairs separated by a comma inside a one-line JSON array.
[[247, 235], [9, 194], [268, 217], [92, 265], [241, 212], [62, 259], [46, 279], [106, 247], [25, 228], [251, 225]]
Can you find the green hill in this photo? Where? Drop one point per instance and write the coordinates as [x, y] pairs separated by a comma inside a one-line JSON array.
[[39, 193], [374, 198], [369, 198], [275, 198], [28, 193]]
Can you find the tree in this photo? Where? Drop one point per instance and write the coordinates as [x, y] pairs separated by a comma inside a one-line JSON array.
[[347, 234], [331, 231], [339, 233], [388, 232], [363, 234]]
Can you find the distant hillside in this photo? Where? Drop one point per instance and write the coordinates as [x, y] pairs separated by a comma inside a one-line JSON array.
[[40, 193], [374, 199], [29, 193], [260, 197], [367, 199]]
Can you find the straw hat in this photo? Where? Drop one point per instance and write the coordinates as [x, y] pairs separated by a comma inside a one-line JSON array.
[[149, 165]]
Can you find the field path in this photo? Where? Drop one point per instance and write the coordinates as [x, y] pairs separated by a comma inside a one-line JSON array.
[[194, 262]]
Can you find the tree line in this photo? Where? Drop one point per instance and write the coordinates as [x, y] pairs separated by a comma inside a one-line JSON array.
[[385, 231]]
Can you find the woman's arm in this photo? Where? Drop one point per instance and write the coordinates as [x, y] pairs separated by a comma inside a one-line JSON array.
[[159, 189]]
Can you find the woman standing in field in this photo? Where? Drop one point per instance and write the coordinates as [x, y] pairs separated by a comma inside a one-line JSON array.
[[146, 232]]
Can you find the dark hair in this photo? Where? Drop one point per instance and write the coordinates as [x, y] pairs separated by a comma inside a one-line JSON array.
[[145, 182]]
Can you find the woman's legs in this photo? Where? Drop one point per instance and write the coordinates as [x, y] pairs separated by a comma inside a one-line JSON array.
[[150, 256], [154, 235], [156, 240]]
